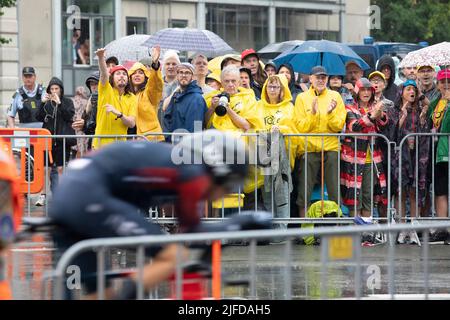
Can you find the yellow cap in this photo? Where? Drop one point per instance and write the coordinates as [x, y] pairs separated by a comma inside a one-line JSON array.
[[377, 73]]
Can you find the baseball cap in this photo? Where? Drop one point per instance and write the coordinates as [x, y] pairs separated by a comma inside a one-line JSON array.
[[319, 70], [409, 82], [229, 57], [363, 83], [28, 71], [443, 74], [117, 68], [352, 62], [425, 66], [248, 52], [377, 73], [112, 59], [186, 65]]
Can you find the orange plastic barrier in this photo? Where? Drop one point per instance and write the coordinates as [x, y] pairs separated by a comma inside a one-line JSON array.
[[25, 145]]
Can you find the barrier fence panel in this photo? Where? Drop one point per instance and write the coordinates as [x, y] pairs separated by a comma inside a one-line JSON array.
[[37, 175], [339, 245], [30, 148], [418, 192]]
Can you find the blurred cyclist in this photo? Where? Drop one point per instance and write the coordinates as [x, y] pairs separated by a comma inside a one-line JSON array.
[[105, 194]]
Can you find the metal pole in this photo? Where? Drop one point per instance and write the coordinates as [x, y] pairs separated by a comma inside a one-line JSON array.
[[288, 270], [178, 273], [426, 243], [140, 266], [253, 269], [324, 266], [101, 273], [391, 266]]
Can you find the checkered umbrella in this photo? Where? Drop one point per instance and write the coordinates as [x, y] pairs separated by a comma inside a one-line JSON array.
[[187, 39], [435, 55], [128, 48]]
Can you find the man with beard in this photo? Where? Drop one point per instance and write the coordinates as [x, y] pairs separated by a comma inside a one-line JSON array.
[[353, 73], [426, 76], [250, 60], [117, 105]]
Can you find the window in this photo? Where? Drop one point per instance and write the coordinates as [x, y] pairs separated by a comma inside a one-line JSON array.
[[178, 23], [241, 27], [322, 34], [136, 26], [96, 29]]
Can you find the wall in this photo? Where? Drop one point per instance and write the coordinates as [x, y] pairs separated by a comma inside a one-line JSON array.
[[9, 61], [356, 20]]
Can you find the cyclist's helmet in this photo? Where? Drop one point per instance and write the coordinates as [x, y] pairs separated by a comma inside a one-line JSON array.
[[224, 154]]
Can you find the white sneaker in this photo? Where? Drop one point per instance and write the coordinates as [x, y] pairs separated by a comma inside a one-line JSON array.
[[414, 238], [41, 201], [402, 237]]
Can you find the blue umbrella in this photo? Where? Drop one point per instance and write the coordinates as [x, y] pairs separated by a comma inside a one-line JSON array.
[[329, 54], [187, 39]]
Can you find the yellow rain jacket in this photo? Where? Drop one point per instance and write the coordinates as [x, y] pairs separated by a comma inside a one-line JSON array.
[[107, 123], [148, 100], [243, 103], [280, 114], [321, 122]]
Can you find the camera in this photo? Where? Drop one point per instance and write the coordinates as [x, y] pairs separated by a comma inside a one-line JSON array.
[[221, 108]]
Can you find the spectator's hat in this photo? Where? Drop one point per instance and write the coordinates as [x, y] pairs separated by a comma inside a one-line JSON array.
[[27, 71], [425, 66], [443, 74], [117, 68], [138, 66], [352, 62], [409, 82], [247, 53], [215, 76], [247, 71], [319, 70], [377, 73], [186, 65], [228, 57], [363, 83], [112, 59]]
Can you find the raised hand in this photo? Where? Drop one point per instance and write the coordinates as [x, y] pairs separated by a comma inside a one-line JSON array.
[[100, 53], [156, 53]]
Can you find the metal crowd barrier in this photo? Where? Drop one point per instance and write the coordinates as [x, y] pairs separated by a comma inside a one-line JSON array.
[[415, 140], [165, 215], [338, 245]]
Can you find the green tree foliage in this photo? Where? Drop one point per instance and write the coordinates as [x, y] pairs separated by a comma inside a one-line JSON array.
[[5, 4], [413, 21]]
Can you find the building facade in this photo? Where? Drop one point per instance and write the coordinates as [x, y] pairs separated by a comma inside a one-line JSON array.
[[41, 31]]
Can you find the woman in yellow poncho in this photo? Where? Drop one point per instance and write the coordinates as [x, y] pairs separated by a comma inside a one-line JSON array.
[[148, 85]]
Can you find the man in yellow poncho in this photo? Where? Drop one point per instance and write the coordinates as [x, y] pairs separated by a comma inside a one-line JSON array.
[[147, 85], [117, 105], [239, 114], [318, 110]]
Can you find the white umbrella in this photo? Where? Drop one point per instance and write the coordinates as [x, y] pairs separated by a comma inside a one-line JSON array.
[[188, 39], [128, 48], [435, 55]]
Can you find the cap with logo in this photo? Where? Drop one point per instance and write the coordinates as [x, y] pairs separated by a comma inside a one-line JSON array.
[[28, 71]]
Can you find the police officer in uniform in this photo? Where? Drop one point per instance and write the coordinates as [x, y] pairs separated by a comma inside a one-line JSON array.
[[26, 101]]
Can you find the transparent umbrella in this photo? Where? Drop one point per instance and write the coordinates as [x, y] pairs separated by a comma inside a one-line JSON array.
[[188, 39]]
